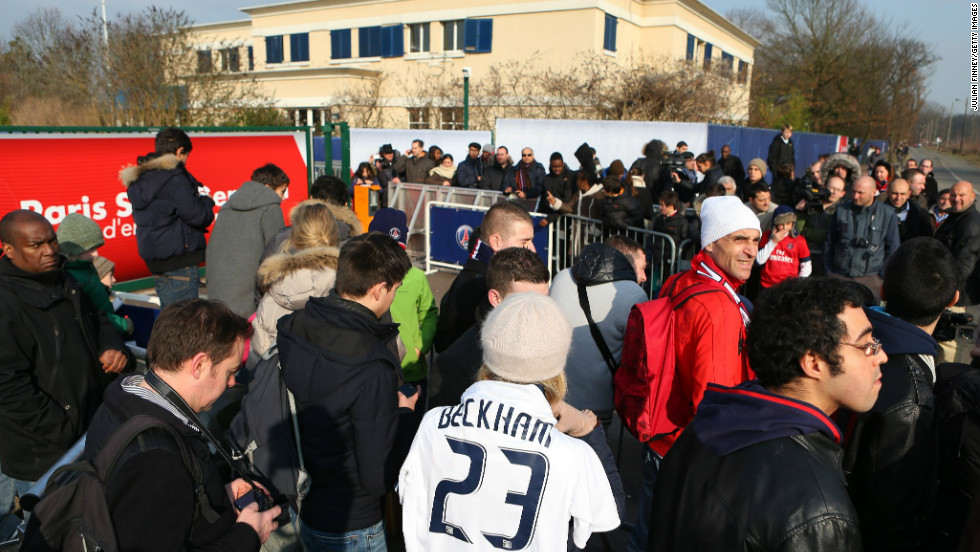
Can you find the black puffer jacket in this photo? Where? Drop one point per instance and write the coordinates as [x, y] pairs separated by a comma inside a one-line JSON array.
[[601, 264], [497, 178], [336, 359], [621, 211], [960, 233], [171, 216], [51, 381], [889, 457], [754, 471]]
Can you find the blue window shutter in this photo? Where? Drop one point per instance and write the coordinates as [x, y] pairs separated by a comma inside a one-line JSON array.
[[690, 47], [273, 49], [299, 47], [478, 35], [393, 41], [340, 44], [251, 59], [609, 36], [370, 42], [707, 55]]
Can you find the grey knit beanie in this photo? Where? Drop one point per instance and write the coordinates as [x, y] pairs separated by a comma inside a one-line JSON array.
[[526, 338], [77, 234]]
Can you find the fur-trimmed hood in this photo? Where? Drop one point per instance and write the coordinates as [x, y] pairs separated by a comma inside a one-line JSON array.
[[277, 268], [837, 160], [346, 216], [165, 162]]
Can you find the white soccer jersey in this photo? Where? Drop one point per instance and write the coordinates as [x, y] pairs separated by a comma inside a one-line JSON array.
[[492, 473]]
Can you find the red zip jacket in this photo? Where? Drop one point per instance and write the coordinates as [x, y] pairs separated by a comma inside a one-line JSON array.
[[709, 337]]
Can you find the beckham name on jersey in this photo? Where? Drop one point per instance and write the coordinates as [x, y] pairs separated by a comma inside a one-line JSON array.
[[478, 414]]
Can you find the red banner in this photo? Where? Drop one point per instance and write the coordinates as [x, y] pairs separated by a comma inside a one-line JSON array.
[[79, 173]]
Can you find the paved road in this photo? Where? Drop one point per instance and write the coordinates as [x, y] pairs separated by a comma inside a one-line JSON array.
[[949, 169]]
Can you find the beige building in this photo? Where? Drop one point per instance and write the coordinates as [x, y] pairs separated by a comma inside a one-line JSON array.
[[401, 63]]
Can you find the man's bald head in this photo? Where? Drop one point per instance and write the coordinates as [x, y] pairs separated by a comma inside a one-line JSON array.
[[961, 196], [10, 223], [899, 192], [863, 191]]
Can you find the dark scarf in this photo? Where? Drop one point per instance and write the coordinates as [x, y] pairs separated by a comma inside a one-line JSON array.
[[523, 176]]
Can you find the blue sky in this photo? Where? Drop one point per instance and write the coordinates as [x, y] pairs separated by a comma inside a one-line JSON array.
[[942, 24]]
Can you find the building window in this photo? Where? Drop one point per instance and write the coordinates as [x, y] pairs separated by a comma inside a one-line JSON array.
[[299, 47], [478, 36], [707, 56], [419, 34], [609, 36], [418, 117], [340, 44], [230, 60], [204, 61], [273, 49], [251, 59], [692, 44], [452, 118], [743, 72], [727, 61], [452, 35], [381, 41]]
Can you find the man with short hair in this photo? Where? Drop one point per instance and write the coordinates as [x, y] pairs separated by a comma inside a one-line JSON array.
[[759, 201], [172, 213], [339, 359], [415, 164], [932, 187], [499, 175], [731, 165], [817, 221], [961, 234], [917, 186], [511, 270], [910, 164], [57, 354], [709, 328], [913, 220], [505, 225], [558, 192], [610, 274], [195, 349], [469, 173], [781, 149], [681, 147], [862, 237], [248, 221], [758, 468], [889, 455]]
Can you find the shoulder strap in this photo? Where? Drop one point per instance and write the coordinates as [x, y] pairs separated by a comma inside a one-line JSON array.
[[583, 301], [303, 480], [693, 290], [105, 461]]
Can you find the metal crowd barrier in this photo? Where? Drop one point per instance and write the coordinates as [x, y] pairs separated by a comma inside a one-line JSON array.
[[414, 198]]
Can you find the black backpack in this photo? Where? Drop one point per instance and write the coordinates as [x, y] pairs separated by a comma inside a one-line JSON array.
[[265, 432], [74, 514]]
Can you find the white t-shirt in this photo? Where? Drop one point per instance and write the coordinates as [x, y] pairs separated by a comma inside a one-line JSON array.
[[492, 473]]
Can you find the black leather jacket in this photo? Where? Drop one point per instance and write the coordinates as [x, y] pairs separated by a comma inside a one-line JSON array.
[[960, 232], [784, 494], [889, 457]]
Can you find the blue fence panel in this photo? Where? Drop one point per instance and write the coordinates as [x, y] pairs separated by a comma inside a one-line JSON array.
[[751, 143], [318, 152]]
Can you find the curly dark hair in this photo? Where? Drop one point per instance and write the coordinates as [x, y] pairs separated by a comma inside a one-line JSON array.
[[796, 317]]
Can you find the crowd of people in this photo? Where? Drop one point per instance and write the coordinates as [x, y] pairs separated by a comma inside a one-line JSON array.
[[808, 406]]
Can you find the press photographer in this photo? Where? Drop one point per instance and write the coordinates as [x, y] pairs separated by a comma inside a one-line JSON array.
[[194, 351], [815, 212]]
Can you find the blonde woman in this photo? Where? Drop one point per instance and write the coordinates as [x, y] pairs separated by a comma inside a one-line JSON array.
[[306, 266]]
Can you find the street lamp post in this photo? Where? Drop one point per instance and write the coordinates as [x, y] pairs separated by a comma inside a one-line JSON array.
[[466, 98], [966, 105], [949, 127]]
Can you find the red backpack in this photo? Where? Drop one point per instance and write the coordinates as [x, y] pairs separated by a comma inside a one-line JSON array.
[[645, 376]]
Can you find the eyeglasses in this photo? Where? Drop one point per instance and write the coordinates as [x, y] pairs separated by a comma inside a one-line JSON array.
[[527, 155], [870, 349]]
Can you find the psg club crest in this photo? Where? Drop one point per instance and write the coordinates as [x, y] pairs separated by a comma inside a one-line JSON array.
[[395, 233], [463, 236], [789, 246]]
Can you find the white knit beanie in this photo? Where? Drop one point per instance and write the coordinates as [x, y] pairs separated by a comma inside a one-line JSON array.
[[722, 215], [526, 338]]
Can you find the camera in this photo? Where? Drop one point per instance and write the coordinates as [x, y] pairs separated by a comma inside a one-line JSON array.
[[952, 323], [265, 502], [673, 161]]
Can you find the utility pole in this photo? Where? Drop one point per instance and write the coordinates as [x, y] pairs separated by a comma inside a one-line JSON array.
[[949, 127], [105, 26], [966, 105]]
